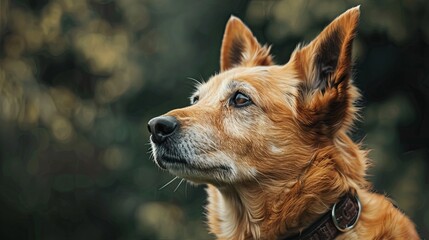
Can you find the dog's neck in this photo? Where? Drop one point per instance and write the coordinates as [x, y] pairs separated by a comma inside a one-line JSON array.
[[270, 208], [253, 211]]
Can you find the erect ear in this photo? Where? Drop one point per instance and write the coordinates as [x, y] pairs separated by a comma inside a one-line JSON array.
[[240, 47], [325, 66]]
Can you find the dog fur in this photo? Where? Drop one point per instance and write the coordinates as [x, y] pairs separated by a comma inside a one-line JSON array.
[[277, 163]]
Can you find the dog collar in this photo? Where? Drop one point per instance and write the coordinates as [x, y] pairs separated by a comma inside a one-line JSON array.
[[343, 217]]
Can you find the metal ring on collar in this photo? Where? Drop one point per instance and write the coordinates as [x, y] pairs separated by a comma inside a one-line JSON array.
[[347, 228]]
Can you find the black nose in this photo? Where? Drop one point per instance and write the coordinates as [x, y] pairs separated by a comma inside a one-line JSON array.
[[162, 127]]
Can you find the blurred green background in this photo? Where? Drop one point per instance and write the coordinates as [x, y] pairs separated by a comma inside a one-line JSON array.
[[79, 79]]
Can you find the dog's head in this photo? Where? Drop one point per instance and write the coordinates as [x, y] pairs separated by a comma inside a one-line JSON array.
[[259, 119]]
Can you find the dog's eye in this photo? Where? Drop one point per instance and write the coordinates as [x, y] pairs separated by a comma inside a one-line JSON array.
[[240, 100], [194, 99]]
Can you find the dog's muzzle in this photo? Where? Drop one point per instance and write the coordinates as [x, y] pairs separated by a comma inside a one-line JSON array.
[[162, 127], [175, 149]]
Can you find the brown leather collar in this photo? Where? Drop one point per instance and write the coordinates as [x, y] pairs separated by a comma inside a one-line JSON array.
[[342, 218]]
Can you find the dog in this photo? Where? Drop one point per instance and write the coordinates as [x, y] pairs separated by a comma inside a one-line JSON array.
[[272, 143]]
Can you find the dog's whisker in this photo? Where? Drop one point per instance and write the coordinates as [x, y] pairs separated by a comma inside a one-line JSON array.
[[178, 185], [196, 82], [165, 185]]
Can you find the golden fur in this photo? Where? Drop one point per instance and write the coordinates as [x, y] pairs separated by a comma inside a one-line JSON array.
[[274, 167]]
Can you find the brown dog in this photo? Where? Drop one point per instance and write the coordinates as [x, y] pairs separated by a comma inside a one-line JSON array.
[[271, 141]]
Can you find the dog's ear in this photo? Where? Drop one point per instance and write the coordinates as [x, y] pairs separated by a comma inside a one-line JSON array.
[[240, 47], [327, 95]]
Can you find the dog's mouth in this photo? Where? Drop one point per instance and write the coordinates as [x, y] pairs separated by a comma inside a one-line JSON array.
[[187, 161], [165, 160], [188, 168], [176, 163]]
